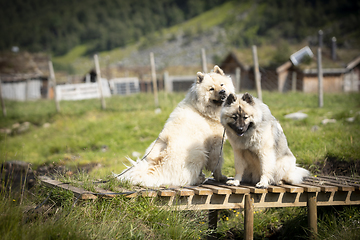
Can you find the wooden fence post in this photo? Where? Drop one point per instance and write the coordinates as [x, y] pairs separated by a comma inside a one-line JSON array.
[[27, 89], [98, 79], [257, 73], [52, 81], [320, 78], [203, 60], [153, 77], [249, 217], [237, 79], [312, 214], [2, 100], [293, 83], [213, 219], [168, 84]]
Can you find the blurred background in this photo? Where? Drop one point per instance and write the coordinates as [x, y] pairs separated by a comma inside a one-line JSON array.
[[123, 33]]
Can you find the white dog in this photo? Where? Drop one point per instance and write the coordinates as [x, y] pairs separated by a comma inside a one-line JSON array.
[[261, 152], [191, 138]]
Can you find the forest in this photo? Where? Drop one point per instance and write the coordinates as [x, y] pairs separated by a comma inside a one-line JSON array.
[[59, 25]]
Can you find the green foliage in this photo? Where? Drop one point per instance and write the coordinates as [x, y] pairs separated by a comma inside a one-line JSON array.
[[63, 24], [76, 137]]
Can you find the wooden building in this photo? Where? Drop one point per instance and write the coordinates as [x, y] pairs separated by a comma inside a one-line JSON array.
[[289, 77], [24, 76]]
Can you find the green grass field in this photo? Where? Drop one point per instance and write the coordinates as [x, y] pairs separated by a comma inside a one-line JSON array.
[[83, 134]]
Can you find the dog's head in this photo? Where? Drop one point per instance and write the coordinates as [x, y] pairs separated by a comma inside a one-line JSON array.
[[214, 87], [238, 114]]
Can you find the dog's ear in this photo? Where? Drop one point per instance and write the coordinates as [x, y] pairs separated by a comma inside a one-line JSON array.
[[248, 98], [200, 77], [230, 99], [218, 70]]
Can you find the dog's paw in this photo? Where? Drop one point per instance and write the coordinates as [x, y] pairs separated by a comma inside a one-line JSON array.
[[233, 182], [262, 185], [222, 178], [279, 183], [200, 179]]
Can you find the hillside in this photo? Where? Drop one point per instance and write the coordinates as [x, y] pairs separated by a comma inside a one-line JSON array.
[[174, 30]]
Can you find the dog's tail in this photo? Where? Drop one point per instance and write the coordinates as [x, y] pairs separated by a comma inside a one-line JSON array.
[[297, 175], [137, 173]]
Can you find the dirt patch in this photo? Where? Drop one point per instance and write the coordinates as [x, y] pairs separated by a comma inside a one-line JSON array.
[[17, 174], [337, 167]]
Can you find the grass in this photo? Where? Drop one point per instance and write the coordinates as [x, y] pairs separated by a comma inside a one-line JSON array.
[[83, 134]]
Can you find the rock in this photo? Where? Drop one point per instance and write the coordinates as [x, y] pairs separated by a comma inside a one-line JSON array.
[[350, 119], [23, 127], [326, 121], [296, 116], [46, 125], [5, 131]]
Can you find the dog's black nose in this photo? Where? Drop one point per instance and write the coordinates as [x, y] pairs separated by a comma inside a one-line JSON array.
[[222, 92]]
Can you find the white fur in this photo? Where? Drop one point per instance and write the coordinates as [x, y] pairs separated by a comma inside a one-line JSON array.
[[261, 154], [190, 140]]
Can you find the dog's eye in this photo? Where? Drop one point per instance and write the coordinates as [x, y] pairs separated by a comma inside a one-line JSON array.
[[222, 84], [245, 117], [212, 89], [235, 117]]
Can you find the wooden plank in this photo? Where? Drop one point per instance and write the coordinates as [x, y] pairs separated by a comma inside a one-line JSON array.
[[181, 191], [105, 193], [234, 189], [340, 180], [217, 190], [341, 187], [276, 189], [127, 193], [148, 193], [201, 190], [308, 188], [292, 188], [238, 190], [322, 186], [78, 192], [254, 189], [166, 193]]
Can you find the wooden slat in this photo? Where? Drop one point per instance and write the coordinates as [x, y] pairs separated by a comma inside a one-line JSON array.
[[322, 186], [254, 189], [105, 193], [339, 180], [238, 190], [276, 189], [181, 191], [201, 190], [166, 193], [217, 190], [292, 188], [78, 192], [234, 189], [341, 187], [309, 188], [149, 193]]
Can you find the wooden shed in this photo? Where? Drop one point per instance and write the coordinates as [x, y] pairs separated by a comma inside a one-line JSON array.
[[339, 76], [24, 76], [345, 79], [242, 59]]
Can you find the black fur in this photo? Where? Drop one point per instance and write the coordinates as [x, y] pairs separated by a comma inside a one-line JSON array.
[[230, 99], [248, 98]]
